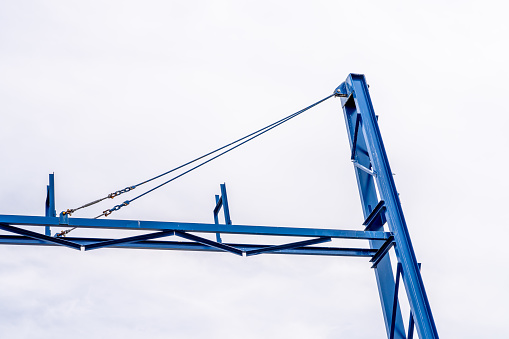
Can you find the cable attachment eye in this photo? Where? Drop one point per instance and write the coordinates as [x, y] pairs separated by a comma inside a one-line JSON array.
[[69, 211]]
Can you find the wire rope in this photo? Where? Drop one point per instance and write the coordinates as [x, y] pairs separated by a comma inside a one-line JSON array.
[[244, 140]]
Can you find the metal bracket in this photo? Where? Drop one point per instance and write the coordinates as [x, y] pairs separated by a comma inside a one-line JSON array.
[[222, 201], [369, 222], [382, 251], [64, 219]]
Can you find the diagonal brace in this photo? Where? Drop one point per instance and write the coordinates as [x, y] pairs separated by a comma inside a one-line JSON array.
[[129, 240], [395, 302], [288, 246], [380, 207], [208, 242], [382, 251], [219, 204], [355, 135], [39, 236]]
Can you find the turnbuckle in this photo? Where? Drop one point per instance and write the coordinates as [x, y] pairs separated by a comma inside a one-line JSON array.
[[125, 190], [115, 208]]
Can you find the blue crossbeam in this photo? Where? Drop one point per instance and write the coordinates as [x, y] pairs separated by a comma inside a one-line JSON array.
[[193, 246], [193, 227], [108, 243], [39, 236], [288, 246]]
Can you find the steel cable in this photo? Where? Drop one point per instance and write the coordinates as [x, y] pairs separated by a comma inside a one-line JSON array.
[[244, 140]]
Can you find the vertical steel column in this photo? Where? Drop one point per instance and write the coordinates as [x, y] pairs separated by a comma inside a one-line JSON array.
[[50, 202], [369, 199], [359, 101], [226, 208]]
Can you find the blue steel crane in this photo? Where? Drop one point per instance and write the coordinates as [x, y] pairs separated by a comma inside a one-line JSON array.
[[379, 199]]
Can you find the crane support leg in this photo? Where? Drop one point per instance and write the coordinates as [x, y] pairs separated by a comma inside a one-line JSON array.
[[368, 152]]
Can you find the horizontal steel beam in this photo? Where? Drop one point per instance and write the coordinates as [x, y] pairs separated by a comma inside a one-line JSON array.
[[38, 236], [193, 246], [192, 227]]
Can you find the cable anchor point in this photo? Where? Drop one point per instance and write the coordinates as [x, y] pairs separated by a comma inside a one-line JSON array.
[[69, 211], [340, 91]]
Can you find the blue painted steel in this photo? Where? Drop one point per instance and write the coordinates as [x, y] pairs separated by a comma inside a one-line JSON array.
[[217, 208], [39, 236], [216, 219], [411, 321], [355, 135], [382, 251], [370, 164], [226, 209], [376, 216], [209, 242], [367, 191], [411, 327], [63, 219], [194, 227], [50, 210], [359, 102], [193, 246], [222, 201], [137, 238], [362, 168], [396, 290], [288, 246]]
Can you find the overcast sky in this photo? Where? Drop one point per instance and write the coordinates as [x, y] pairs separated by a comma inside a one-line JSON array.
[[106, 94]]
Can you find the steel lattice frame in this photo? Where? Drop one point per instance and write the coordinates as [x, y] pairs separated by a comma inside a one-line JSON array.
[[380, 204]]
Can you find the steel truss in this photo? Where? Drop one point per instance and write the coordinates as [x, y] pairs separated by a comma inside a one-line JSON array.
[[379, 199]]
